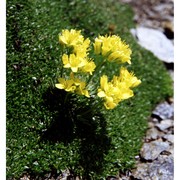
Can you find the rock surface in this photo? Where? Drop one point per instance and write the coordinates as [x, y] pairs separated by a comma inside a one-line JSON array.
[[169, 137], [156, 14], [156, 42], [165, 124], [150, 151], [160, 169], [156, 158], [159, 15], [164, 110]]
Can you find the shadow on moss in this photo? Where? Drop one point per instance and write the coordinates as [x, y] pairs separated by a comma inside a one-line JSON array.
[[62, 126], [74, 119]]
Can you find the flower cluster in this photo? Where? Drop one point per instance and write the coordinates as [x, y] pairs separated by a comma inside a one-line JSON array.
[[78, 60], [113, 48], [81, 68], [118, 89], [74, 85]]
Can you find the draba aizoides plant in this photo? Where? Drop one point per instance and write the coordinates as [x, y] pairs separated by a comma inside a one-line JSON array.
[[80, 68]]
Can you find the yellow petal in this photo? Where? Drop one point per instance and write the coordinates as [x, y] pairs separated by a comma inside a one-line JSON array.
[[101, 94], [59, 86], [109, 105]]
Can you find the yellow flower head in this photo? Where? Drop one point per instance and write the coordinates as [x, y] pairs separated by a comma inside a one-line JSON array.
[[97, 45], [113, 48], [129, 78], [89, 66], [118, 89], [77, 63], [81, 89], [67, 85], [74, 85], [82, 49], [104, 86], [108, 92], [109, 103], [80, 86], [70, 37], [72, 61]]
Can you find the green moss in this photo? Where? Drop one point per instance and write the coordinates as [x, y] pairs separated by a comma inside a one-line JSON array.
[[43, 134]]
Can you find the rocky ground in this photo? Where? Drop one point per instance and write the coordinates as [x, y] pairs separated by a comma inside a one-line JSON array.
[[157, 14], [156, 158]]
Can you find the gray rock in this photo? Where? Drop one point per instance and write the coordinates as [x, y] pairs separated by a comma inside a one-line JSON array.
[[156, 42], [153, 134], [164, 110], [154, 120], [162, 7], [150, 151], [150, 124], [171, 150], [169, 137], [142, 171], [165, 124], [163, 168], [160, 169]]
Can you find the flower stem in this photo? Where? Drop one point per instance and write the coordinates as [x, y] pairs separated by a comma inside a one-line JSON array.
[[96, 70]]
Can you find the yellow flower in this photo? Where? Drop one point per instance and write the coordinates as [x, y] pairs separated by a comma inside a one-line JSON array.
[[80, 86], [118, 89], [77, 63], [113, 48], [81, 49], [70, 37], [81, 89], [108, 92], [97, 45], [108, 89], [104, 86], [129, 78], [72, 61], [73, 85], [67, 85], [89, 66], [109, 104], [125, 91], [110, 44]]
